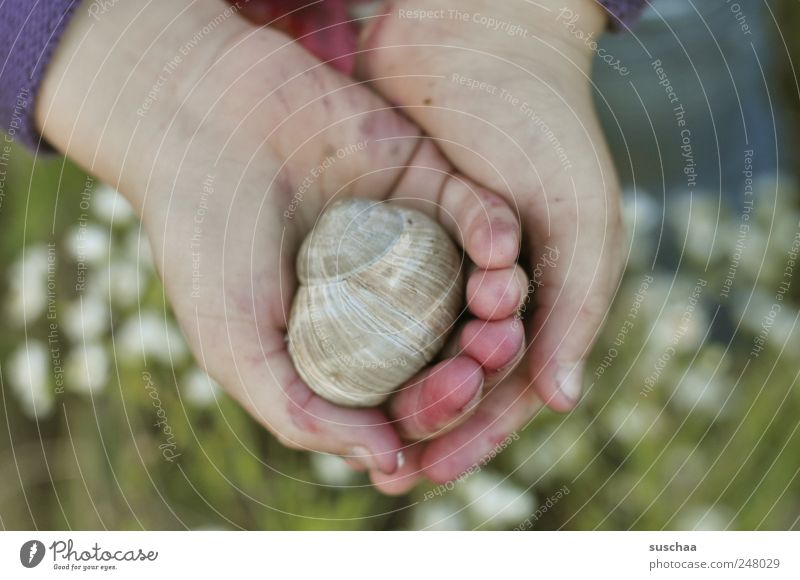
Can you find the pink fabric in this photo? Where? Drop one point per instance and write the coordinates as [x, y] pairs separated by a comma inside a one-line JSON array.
[[324, 28]]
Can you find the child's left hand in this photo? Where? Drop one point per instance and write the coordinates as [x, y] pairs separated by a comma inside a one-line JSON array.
[[503, 88]]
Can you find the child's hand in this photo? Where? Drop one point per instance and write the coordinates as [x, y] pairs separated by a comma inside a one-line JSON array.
[[227, 163], [504, 88]]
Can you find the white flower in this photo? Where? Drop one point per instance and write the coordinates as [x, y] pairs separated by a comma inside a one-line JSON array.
[[678, 317], [86, 318], [657, 293], [86, 369], [27, 281], [762, 259], [786, 329], [198, 388], [149, 334], [705, 386], [24, 305], [704, 518], [88, 243], [684, 332], [496, 501], [28, 375], [772, 227], [781, 189], [554, 452], [32, 263], [122, 281], [442, 515], [751, 311], [784, 232], [767, 319], [109, 205], [631, 422], [701, 391], [127, 282], [699, 223], [642, 215], [331, 469]]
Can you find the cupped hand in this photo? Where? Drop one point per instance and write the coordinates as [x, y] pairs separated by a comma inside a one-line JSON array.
[[504, 89], [230, 162]]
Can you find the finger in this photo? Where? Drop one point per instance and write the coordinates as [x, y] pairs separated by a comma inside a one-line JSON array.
[[354, 464], [496, 294], [363, 435], [494, 345], [406, 476], [493, 427], [482, 222], [580, 265], [498, 346], [437, 399], [485, 224], [269, 388]]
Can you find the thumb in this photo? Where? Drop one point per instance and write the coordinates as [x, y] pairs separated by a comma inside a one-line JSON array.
[[574, 273]]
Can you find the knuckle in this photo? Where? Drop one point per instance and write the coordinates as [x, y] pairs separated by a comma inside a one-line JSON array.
[[593, 308]]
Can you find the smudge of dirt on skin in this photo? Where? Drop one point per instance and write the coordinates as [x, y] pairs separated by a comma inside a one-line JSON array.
[[367, 127], [326, 103]]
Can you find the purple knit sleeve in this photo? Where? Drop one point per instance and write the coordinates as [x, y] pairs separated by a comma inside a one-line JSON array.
[[623, 13], [30, 30]]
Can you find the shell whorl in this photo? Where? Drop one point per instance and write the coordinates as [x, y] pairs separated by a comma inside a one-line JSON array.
[[380, 288]]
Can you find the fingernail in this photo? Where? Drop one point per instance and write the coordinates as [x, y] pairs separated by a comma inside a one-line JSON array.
[[496, 376], [363, 456], [569, 378], [401, 459], [473, 402]]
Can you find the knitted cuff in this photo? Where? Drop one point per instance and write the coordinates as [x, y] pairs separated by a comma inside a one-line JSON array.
[[623, 13], [31, 29]]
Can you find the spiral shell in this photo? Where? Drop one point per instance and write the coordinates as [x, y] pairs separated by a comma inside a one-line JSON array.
[[380, 288]]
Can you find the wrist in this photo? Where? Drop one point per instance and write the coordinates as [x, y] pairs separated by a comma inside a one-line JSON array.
[[514, 27], [570, 25], [119, 76]]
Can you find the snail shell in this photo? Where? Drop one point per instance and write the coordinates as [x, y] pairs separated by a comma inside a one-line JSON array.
[[380, 288]]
